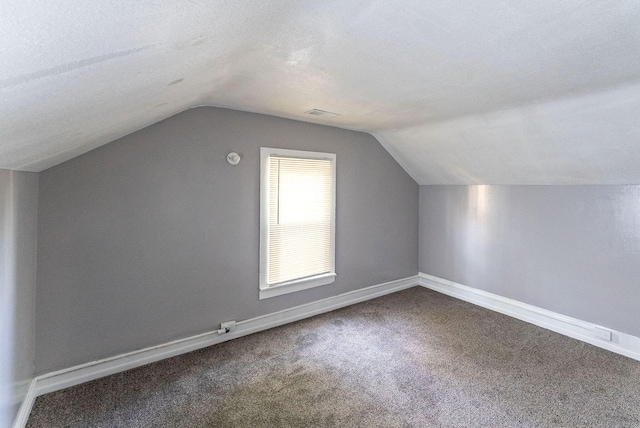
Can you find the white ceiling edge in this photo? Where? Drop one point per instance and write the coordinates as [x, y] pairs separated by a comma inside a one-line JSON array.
[[588, 139], [441, 149], [49, 157]]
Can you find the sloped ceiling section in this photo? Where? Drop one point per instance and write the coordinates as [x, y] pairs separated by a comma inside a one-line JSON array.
[[460, 92]]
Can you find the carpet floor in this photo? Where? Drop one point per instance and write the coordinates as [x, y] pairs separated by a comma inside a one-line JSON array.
[[415, 358]]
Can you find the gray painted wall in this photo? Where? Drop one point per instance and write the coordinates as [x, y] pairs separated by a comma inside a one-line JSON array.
[[18, 215], [570, 249], [155, 236]]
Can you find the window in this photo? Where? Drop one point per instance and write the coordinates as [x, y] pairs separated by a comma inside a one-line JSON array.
[[297, 220]]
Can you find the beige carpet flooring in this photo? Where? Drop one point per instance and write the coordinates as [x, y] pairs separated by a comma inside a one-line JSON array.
[[410, 359]]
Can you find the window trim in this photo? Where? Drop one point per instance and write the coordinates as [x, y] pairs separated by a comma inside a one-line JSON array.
[[297, 284]]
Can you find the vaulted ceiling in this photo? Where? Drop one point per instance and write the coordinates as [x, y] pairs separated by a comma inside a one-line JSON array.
[[459, 92]]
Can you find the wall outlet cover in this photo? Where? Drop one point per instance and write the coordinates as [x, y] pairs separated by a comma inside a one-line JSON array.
[[602, 333]]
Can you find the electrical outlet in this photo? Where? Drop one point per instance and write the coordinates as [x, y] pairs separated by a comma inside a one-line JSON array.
[[602, 333], [228, 326]]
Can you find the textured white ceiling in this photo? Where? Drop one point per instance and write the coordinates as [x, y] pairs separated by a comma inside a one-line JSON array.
[[460, 92]]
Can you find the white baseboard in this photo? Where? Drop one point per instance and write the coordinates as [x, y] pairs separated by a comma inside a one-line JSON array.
[[25, 407], [621, 343], [65, 378]]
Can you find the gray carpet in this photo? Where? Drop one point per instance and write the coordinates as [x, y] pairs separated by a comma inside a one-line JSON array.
[[411, 359]]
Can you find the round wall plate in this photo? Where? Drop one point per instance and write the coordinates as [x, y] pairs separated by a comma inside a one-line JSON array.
[[233, 158]]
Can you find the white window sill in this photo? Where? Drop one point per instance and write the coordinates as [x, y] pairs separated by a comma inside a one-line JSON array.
[[297, 285]]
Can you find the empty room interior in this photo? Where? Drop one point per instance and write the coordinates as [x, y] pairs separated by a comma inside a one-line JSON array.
[[277, 213]]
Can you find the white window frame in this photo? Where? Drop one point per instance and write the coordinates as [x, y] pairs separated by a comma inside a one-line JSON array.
[[267, 291]]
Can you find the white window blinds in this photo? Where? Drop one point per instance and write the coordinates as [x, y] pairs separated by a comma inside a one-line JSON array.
[[300, 214], [297, 219]]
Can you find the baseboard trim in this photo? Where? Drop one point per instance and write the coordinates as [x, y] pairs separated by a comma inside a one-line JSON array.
[[65, 378], [25, 407], [621, 343]]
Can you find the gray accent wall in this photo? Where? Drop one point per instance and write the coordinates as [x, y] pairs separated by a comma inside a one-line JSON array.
[[574, 250], [18, 216], [155, 237]]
